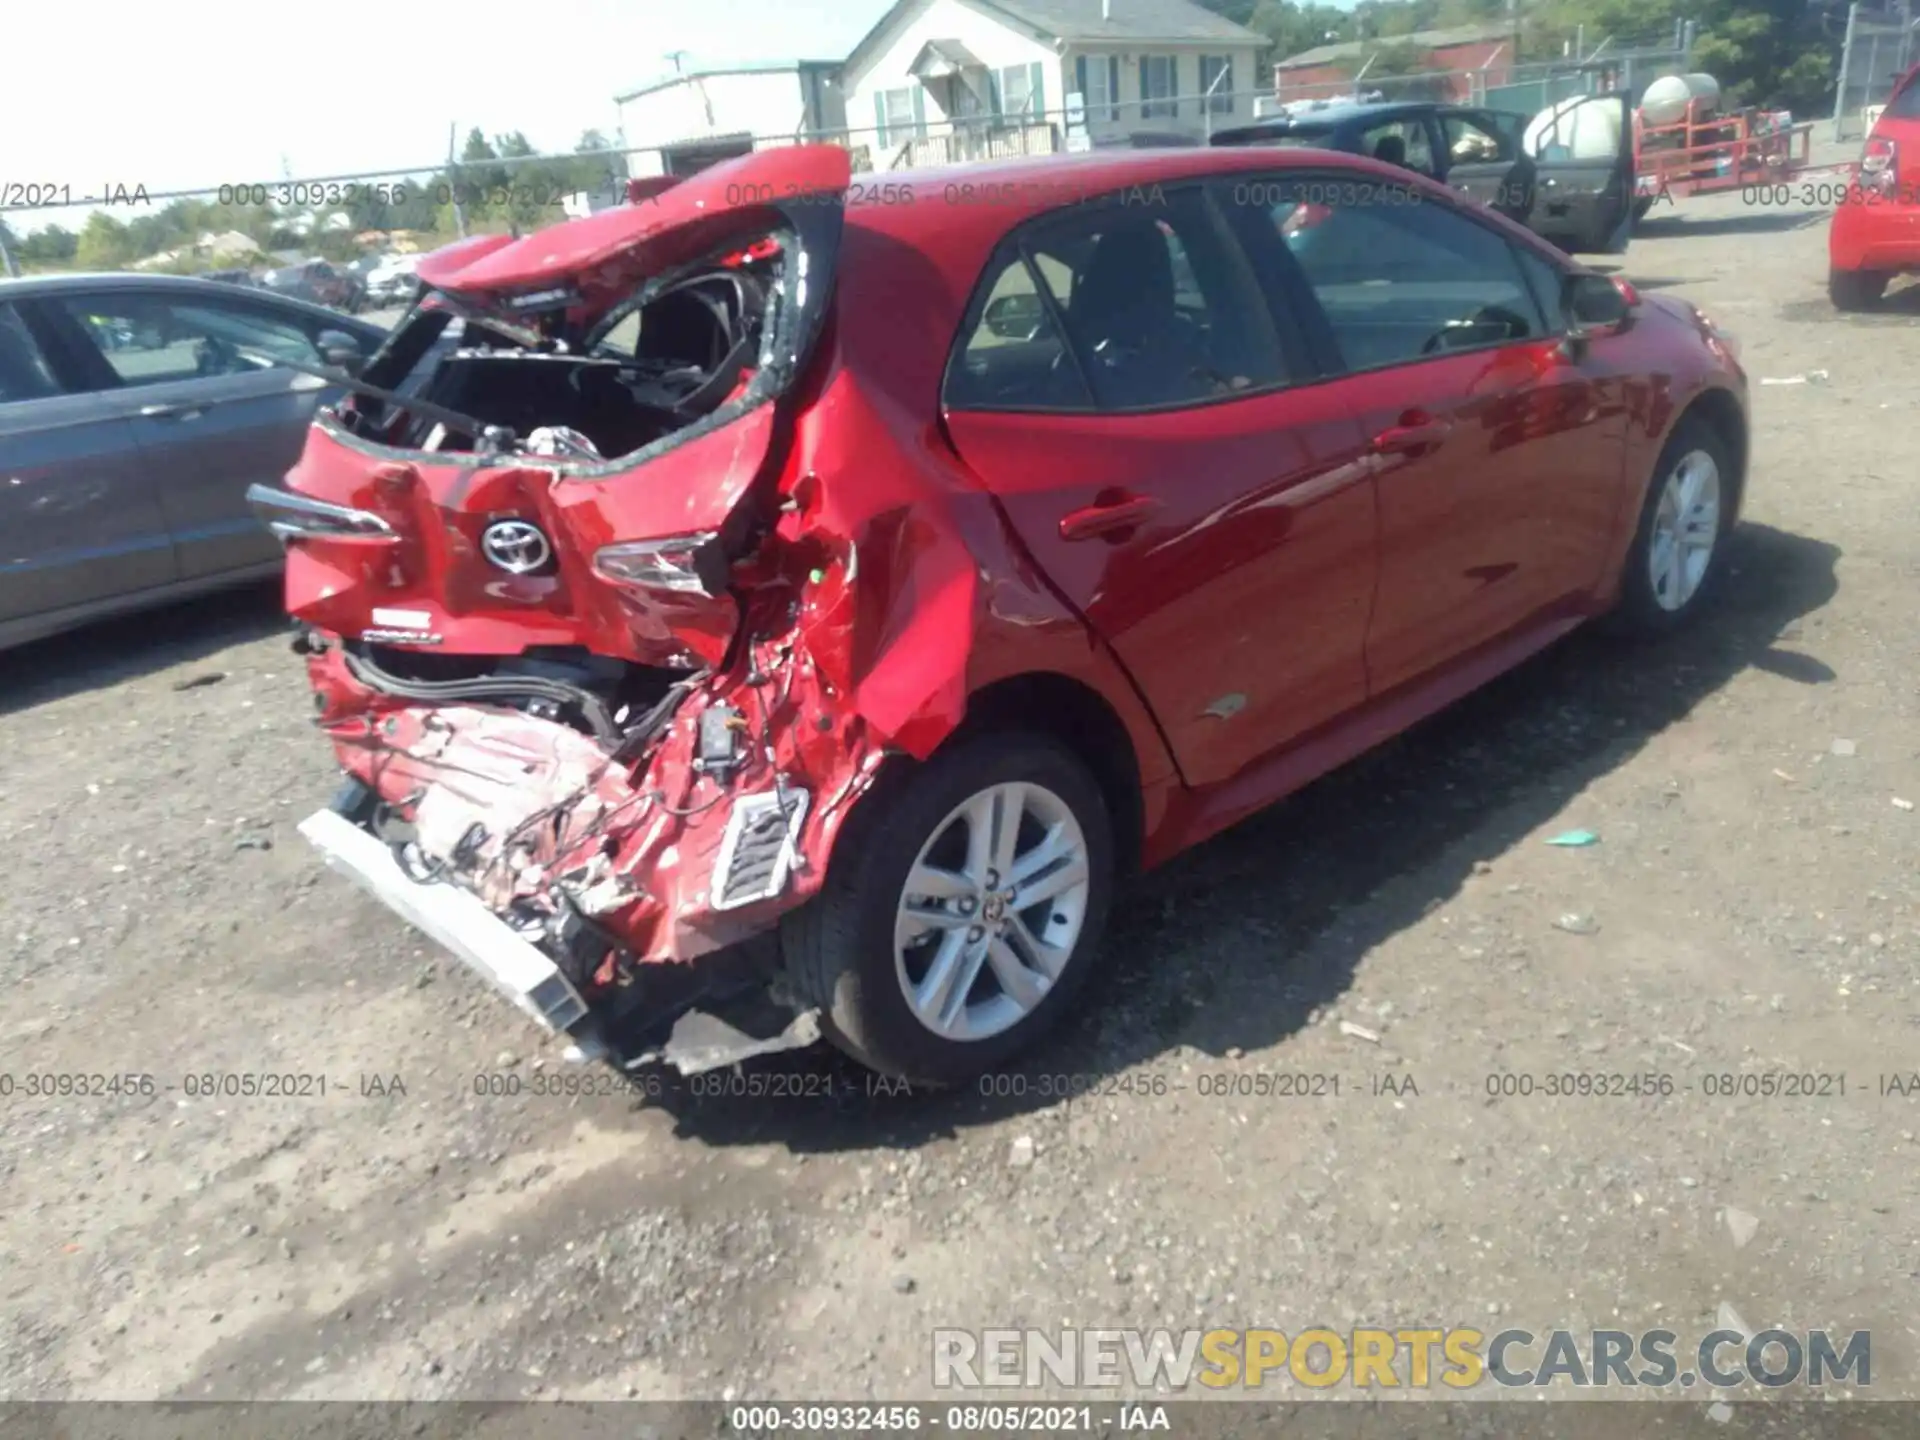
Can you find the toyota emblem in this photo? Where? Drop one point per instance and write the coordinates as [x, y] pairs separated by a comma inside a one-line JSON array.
[[516, 547]]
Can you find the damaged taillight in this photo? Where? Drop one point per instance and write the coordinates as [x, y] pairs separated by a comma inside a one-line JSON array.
[[1304, 216], [1879, 165], [292, 516], [682, 564]]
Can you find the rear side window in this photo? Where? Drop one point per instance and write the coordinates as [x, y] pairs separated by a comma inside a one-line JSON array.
[[24, 372], [1015, 357], [1399, 276], [1402, 142], [1157, 307], [151, 340], [1905, 104]]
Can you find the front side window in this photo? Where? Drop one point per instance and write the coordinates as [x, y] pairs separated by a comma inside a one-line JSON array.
[[1400, 277], [1158, 308], [1216, 83], [1471, 138], [151, 340], [1157, 87], [24, 372], [1547, 280]]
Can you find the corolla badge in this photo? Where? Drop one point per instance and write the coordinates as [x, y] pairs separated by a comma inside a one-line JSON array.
[[516, 546]]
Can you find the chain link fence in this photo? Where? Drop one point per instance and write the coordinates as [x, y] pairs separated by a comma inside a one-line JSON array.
[[258, 224], [1880, 47], [247, 226]]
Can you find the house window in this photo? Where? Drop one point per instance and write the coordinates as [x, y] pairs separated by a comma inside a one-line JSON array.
[[1098, 77], [896, 115], [1157, 82], [1016, 90], [1219, 96], [1019, 92]]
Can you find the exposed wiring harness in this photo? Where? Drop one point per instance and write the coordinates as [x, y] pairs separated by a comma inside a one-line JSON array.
[[590, 706]]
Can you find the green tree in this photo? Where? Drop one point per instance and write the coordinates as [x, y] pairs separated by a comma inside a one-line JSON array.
[[1291, 27], [595, 167], [50, 246], [1763, 52], [105, 244]]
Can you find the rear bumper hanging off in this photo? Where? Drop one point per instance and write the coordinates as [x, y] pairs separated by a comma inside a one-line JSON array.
[[455, 918]]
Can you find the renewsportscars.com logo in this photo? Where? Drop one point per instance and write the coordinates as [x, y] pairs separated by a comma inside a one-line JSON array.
[[1418, 1358]]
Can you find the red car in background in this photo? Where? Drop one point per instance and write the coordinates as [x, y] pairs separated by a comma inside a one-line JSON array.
[[1876, 229], [785, 606]]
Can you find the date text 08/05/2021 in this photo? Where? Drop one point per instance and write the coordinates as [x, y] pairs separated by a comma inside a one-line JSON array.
[[991, 1419]]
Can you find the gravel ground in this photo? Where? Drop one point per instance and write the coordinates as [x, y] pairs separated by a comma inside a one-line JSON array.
[[1751, 907]]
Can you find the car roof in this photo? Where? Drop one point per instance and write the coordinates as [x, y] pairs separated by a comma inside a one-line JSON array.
[[108, 280], [1372, 112], [922, 203], [33, 287]]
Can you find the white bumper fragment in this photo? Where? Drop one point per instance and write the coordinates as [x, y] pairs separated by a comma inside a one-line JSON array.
[[456, 919]]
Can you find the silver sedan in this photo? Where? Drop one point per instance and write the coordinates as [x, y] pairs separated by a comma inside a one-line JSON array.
[[135, 411]]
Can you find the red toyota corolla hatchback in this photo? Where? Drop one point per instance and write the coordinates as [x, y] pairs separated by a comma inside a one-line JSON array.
[[792, 604], [1875, 233]]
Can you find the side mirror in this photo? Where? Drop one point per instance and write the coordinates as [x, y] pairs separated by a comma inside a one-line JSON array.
[[341, 351], [1594, 306], [1014, 317]]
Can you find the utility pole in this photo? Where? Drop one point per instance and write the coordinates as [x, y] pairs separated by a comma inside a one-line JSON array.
[[1840, 88], [453, 176]]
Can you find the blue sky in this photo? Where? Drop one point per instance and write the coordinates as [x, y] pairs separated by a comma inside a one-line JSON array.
[[224, 92]]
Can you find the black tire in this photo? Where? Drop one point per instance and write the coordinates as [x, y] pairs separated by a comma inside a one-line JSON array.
[[1640, 611], [1856, 289], [839, 948], [1643, 207]]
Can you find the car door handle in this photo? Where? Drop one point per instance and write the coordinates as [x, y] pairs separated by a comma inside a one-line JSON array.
[[1107, 517], [171, 412], [1411, 439]]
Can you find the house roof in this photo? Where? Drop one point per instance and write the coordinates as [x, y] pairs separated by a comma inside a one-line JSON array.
[[1135, 20], [707, 72], [936, 54], [1419, 39], [1088, 22]]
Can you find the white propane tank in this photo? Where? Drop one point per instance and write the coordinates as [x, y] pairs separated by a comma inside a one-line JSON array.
[[1581, 127], [1667, 98]]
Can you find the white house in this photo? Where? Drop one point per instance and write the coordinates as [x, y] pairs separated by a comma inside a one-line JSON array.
[[939, 80], [710, 114]]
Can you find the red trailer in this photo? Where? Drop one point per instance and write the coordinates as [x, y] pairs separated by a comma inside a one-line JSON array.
[[1711, 150]]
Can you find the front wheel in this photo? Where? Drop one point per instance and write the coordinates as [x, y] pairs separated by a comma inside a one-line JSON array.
[[1856, 289], [961, 914], [1675, 560]]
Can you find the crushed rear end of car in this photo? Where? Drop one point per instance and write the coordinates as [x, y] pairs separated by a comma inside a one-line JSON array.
[[580, 619]]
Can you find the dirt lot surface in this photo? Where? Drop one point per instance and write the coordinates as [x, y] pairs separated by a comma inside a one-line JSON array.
[[1751, 909]]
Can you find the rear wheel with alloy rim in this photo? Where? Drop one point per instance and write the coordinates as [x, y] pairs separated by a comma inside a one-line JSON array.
[[1677, 550], [957, 922]]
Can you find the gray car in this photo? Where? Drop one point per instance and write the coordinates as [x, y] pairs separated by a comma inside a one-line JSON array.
[[134, 413]]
